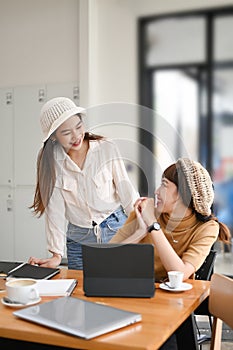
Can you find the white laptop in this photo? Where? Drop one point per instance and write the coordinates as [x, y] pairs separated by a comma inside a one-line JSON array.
[[78, 317]]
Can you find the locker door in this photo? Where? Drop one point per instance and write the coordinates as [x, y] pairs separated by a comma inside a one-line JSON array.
[[6, 175], [6, 137], [69, 89], [30, 239], [7, 224], [27, 132], [29, 231]]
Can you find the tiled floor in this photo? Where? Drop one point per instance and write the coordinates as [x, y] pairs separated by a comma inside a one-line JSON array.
[[224, 346], [227, 334]]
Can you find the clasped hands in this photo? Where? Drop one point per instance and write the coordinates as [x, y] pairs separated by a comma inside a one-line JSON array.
[[145, 211]]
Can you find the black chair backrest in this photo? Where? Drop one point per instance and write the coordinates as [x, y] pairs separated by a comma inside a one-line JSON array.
[[207, 268], [204, 273]]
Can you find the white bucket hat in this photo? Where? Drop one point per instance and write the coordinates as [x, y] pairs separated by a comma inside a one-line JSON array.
[[55, 112]]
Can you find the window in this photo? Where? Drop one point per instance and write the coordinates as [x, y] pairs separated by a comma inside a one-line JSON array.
[[186, 77]]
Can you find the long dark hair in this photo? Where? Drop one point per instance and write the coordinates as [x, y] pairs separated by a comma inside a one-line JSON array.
[[46, 175], [175, 174]]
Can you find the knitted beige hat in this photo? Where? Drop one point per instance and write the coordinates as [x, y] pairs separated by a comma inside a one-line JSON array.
[[55, 112], [200, 185]]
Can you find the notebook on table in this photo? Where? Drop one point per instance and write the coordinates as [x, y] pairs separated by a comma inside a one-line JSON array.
[[118, 270], [78, 317], [56, 287], [25, 270], [7, 266]]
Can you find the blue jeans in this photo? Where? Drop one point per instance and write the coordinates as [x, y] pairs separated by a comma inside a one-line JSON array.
[[76, 236]]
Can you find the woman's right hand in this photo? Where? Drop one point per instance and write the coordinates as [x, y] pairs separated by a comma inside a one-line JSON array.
[[146, 207], [140, 222], [52, 262]]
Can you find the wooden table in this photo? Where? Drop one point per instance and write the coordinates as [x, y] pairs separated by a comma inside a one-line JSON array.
[[161, 316]]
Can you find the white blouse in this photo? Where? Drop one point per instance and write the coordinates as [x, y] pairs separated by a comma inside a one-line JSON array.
[[81, 196]]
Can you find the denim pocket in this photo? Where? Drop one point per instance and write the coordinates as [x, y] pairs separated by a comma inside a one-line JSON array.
[[78, 234], [114, 221]]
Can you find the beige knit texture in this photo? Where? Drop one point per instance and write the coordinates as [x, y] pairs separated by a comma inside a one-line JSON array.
[[200, 185], [53, 110]]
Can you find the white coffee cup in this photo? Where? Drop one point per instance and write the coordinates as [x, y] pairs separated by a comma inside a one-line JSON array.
[[22, 290], [175, 278]]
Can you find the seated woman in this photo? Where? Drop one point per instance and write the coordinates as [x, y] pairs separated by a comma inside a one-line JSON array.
[[181, 227]]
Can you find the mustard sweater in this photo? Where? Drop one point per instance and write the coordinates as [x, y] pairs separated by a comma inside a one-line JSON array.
[[191, 239]]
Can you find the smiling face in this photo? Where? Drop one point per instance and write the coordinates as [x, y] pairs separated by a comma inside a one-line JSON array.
[[71, 133], [167, 196]]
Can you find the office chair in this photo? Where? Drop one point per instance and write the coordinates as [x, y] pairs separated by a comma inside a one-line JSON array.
[[220, 306], [204, 273]]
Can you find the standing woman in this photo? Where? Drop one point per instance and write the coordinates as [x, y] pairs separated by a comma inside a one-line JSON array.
[[81, 179], [182, 226]]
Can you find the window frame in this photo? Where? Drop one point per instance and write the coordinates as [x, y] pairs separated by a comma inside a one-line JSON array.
[[145, 76]]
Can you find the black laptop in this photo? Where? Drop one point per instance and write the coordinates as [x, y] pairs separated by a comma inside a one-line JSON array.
[[118, 270]]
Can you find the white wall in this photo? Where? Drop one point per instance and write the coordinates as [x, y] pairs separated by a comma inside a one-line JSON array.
[[38, 41], [41, 43], [112, 60]]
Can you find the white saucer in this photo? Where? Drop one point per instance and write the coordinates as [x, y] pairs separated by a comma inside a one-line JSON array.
[[21, 305], [182, 288]]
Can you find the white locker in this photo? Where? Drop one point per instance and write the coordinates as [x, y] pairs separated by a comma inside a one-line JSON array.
[[7, 224], [27, 133], [69, 90], [30, 237], [6, 136], [29, 230], [6, 175]]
